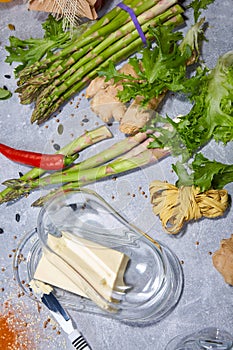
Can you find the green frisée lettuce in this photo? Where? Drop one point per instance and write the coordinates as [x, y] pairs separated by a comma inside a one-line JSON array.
[[212, 113], [211, 117], [29, 51], [205, 174], [197, 6], [160, 68]]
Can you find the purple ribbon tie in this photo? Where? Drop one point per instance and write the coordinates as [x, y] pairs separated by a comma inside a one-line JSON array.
[[134, 19]]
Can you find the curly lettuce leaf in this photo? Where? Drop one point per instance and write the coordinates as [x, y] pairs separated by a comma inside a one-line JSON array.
[[199, 5], [162, 67], [212, 113], [205, 174], [31, 50]]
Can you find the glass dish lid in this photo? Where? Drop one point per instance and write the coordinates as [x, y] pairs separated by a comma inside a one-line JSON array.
[[98, 262]]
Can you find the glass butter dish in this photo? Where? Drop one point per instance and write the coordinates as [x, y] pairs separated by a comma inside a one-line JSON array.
[[97, 262]]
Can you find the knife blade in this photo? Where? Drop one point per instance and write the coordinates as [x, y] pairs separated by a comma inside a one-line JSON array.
[[61, 316]]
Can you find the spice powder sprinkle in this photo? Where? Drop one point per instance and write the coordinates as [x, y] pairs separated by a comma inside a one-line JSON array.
[[14, 333]]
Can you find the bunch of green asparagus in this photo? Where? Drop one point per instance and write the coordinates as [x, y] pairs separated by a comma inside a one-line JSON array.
[[130, 153], [52, 81]]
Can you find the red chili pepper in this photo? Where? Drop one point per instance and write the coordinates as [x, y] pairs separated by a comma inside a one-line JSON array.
[[39, 160]]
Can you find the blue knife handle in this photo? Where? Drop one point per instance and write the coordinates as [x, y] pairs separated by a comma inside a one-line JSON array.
[[78, 341]]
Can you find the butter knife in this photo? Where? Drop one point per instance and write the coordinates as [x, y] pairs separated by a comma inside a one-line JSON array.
[[61, 316]]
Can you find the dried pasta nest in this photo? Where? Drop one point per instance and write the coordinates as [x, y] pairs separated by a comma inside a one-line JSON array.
[[176, 206]]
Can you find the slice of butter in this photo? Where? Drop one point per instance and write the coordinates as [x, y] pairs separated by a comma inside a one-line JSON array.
[[76, 265]]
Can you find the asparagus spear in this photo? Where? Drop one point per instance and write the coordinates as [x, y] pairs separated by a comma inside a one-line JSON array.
[[95, 49], [110, 22], [73, 81], [85, 140], [136, 157], [115, 150], [146, 157]]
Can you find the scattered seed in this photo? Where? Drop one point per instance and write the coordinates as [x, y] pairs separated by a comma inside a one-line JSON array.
[[85, 120], [60, 129], [11, 26], [7, 76], [5, 87], [73, 206], [20, 174], [56, 147], [210, 253], [17, 217], [1, 230], [197, 243], [182, 262]]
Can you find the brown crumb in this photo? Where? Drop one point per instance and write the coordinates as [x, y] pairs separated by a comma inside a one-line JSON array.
[[11, 26]]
